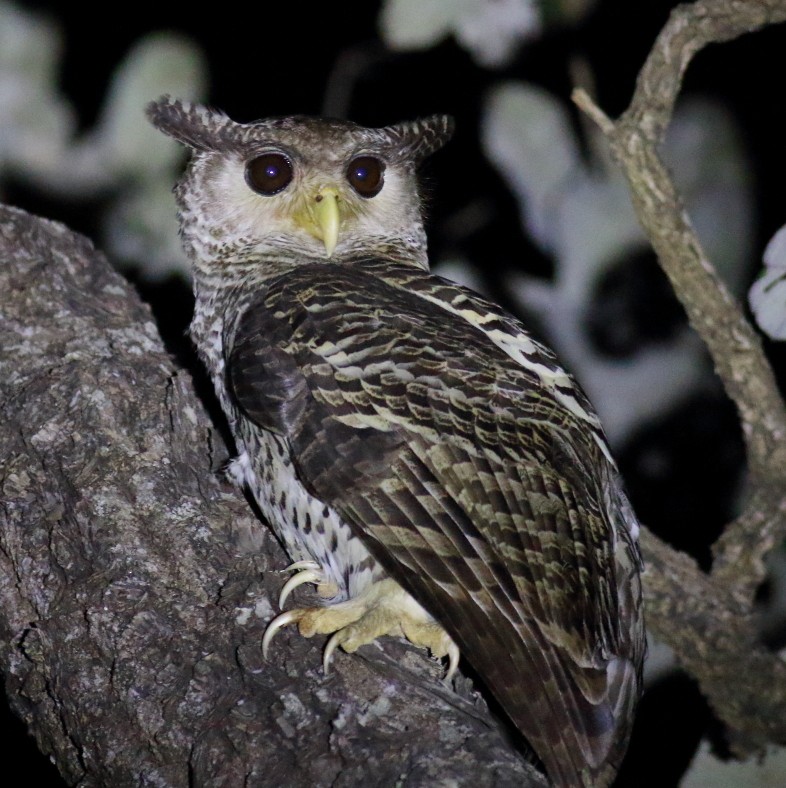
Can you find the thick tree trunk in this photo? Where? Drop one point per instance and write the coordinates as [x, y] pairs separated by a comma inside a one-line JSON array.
[[135, 585]]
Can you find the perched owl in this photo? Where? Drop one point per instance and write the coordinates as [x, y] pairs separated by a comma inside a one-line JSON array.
[[427, 465]]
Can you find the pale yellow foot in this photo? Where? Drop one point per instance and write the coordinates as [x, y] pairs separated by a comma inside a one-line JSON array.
[[383, 609]]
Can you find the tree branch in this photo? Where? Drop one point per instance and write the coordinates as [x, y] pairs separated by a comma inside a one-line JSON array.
[[134, 587], [713, 637]]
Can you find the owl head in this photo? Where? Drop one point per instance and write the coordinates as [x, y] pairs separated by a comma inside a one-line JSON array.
[[313, 188]]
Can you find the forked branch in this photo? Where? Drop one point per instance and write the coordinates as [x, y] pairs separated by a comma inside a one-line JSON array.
[[708, 619]]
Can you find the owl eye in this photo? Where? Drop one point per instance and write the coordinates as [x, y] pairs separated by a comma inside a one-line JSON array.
[[366, 175], [269, 174]]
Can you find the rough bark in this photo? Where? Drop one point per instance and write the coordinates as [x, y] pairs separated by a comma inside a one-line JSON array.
[[135, 585], [708, 619]]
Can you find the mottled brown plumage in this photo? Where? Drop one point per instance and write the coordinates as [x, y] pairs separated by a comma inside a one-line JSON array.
[[394, 425]]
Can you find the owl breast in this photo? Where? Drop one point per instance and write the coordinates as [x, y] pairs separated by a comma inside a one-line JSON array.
[[308, 529]]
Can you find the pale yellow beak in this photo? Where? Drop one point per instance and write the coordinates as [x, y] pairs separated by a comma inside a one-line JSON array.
[[327, 218]]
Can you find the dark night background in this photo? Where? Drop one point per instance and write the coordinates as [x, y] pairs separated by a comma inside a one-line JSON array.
[[276, 58]]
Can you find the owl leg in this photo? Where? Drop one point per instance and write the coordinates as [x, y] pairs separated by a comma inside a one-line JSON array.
[[384, 608]]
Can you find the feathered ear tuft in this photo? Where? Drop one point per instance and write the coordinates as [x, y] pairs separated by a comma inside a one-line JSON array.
[[197, 126], [423, 136]]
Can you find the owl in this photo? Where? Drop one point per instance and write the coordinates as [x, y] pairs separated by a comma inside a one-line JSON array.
[[427, 465]]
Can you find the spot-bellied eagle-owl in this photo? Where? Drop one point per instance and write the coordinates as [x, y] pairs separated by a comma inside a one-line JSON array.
[[426, 463]]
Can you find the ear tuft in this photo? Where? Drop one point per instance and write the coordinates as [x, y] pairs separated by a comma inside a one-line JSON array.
[[422, 137], [197, 126]]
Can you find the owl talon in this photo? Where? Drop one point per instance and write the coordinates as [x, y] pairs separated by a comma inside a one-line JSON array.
[[329, 649], [383, 609], [280, 621], [299, 565], [453, 661], [304, 576]]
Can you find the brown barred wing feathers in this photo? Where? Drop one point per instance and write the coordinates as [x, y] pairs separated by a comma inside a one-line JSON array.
[[474, 471]]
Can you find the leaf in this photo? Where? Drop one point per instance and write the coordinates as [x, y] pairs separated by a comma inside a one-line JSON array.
[[767, 296]]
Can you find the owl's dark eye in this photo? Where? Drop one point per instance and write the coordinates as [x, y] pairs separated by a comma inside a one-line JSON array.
[[366, 175], [269, 173]]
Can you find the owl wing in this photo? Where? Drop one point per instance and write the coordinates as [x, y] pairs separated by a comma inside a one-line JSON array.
[[473, 482]]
